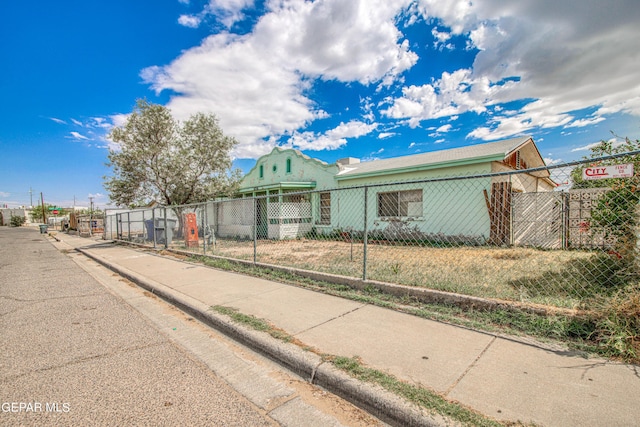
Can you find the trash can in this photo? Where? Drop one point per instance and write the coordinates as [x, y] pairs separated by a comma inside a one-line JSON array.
[[148, 225], [162, 235], [44, 228]]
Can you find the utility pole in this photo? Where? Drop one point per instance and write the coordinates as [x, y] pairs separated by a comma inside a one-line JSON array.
[[31, 197], [44, 216]]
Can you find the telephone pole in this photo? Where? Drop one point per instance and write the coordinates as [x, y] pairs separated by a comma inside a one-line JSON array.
[[44, 215]]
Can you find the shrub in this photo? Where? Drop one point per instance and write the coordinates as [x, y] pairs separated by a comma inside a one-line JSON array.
[[17, 221]]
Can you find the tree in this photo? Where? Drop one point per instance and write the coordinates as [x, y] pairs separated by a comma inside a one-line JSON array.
[[160, 159], [36, 213], [617, 211], [604, 149]]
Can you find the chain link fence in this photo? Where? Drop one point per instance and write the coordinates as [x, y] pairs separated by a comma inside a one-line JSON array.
[[528, 235]]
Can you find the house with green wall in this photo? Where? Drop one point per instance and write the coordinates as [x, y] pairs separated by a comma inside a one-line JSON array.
[[444, 195], [286, 185], [450, 193]]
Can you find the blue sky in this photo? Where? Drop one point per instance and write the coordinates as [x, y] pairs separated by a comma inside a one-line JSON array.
[[333, 78]]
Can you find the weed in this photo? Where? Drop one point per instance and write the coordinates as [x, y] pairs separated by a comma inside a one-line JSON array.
[[253, 322], [421, 396], [609, 326], [353, 366], [616, 324], [245, 319], [395, 268]]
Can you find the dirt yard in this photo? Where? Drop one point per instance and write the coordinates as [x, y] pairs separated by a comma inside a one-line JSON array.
[[554, 277]]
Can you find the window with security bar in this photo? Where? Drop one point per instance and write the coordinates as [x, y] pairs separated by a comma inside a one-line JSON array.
[[400, 203], [325, 208]]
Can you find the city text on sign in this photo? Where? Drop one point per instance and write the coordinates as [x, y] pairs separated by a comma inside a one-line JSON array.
[[604, 172]]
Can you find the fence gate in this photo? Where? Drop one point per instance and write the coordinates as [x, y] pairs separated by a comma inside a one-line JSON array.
[[539, 219]]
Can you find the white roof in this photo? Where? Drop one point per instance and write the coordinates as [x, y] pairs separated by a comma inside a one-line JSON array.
[[479, 151]]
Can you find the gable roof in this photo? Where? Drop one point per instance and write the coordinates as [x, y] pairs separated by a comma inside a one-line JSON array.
[[491, 151], [293, 151]]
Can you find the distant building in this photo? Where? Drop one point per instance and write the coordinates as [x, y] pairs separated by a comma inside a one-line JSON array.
[[7, 213]]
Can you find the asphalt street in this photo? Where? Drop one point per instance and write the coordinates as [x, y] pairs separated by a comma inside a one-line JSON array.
[[73, 352]]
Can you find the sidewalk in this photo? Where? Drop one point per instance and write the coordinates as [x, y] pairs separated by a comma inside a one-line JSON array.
[[504, 379]]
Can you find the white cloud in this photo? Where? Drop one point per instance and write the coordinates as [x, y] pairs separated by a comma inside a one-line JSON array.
[[444, 128], [453, 94], [190, 21], [333, 138], [557, 55], [615, 142], [585, 122], [59, 121], [441, 39], [550, 161], [353, 129], [385, 135], [227, 12], [76, 122], [562, 54], [256, 83], [119, 120], [100, 122], [98, 196], [78, 136]]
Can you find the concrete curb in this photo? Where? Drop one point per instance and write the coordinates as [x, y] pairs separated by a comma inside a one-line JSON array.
[[374, 399]]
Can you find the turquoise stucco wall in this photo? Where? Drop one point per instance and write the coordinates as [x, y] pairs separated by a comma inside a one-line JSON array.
[[451, 208], [305, 175], [303, 169]]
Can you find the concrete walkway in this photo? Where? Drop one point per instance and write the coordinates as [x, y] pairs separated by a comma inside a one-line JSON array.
[[502, 378]]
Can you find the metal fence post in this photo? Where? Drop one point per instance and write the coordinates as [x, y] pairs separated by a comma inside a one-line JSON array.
[[118, 221], [366, 232], [144, 229], [636, 248], [205, 221], [166, 232], [255, 229], [128, 225], [153, 226]]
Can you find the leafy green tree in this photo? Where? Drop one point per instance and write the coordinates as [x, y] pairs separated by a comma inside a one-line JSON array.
[[163, 160], [604, 149], [616, 214], [36, 213]]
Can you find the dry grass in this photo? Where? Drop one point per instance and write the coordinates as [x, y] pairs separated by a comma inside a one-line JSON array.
[[551, 277]]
